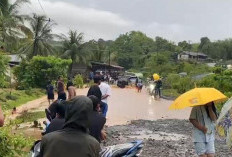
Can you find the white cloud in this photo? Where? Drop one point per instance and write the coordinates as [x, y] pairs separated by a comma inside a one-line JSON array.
[[92, 22], [172, 19]]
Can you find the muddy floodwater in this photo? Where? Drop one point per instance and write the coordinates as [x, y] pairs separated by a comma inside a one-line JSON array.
[[126, 105]]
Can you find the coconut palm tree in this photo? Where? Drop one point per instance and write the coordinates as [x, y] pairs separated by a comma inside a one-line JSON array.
[[40, 44], [100, 52], [73, 48], [11, 23]]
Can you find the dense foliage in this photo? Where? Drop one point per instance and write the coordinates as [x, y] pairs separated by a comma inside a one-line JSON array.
[[78, 81], [39, 70], [10, 98], [13, 144], [3, 70]]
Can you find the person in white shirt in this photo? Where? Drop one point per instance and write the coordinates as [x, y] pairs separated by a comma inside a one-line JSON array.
[[106, 92]]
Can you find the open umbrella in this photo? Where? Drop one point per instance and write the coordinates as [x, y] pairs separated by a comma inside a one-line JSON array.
[[224, 122], [197, 97], [156, 76]]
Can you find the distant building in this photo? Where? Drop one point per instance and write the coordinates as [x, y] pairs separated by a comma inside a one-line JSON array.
[[192, 56], [15, 60], [97, 67]]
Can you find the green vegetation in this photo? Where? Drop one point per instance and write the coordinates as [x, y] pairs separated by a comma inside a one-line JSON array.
[[29, 117], [39, 70], [13, 144], [4, 66], [10, 99], [78, 81]]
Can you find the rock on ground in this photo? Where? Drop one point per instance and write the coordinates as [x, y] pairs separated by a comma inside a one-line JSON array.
[[162, 138]]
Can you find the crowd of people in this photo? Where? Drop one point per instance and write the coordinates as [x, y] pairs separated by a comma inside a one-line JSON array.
[[75, 127]]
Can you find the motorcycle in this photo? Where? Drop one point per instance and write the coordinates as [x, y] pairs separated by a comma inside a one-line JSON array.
[[151, 88], [132, 149]]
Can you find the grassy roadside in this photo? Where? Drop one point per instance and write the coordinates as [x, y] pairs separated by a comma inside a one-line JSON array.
[[18, 97], [30, 117], [172, 93]]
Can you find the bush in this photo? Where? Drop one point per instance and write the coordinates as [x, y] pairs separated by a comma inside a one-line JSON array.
[[4, 65], [78, 81], [18, 97], [39, 70], [13, 144]]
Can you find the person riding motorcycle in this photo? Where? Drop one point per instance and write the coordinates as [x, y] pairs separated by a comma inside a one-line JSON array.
[[73, 140]]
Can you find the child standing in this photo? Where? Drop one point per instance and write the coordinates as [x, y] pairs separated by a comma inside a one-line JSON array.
[[203, 118]]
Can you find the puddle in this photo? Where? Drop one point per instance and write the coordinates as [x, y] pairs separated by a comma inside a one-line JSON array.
[[147, 134]]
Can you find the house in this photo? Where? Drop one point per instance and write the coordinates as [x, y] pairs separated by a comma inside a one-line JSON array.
[[192, 56], [97, 67], [15, 59]]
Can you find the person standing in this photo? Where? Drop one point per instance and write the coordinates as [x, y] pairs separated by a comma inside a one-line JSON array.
[[94, 89], [157, 88], [106, 92], [203, 119], [1, 117], [97, 120], [73, 140], [50, 92], [71, 91], [60, 89], [69, 83]]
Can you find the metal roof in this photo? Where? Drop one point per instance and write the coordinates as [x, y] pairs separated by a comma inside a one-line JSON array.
[[105, 64], [194, 53]]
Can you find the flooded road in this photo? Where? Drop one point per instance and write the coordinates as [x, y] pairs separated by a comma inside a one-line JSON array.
[[126, 105]]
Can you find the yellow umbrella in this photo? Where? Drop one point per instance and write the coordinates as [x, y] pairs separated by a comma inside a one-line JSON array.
[[156, 76], [197, 97]]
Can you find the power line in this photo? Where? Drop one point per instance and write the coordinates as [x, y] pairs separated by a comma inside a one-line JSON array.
[[41, 7]]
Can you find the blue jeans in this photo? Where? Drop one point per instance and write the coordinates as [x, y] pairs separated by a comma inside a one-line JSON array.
[[104, 108]]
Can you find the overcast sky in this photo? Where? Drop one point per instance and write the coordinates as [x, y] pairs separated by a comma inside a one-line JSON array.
[[174, 20]]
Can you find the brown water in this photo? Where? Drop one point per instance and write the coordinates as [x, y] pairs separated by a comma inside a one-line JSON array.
[[124, 105]]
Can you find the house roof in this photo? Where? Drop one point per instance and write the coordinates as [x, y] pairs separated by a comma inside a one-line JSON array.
[[15, 58], [105, 64], [194, 53]]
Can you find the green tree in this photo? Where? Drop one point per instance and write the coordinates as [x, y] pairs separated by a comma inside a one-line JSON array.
[[40, 69], [3, 70], [164, 45], [132, 48], [204, 43], [40, 44], [185, 46], [100, 51], [73, 49], [12, 23]]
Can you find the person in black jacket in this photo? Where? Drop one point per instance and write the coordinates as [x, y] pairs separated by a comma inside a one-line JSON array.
[[97, 120], [58, 122], [73, 140]]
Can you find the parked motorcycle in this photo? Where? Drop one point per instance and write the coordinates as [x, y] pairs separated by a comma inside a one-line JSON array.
[[132, 149]]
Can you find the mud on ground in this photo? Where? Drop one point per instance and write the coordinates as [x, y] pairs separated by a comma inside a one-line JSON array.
[[162, 138]]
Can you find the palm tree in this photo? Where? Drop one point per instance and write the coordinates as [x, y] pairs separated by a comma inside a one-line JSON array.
[[73, 49], [11, 23], [101, 52], [40, 44]]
